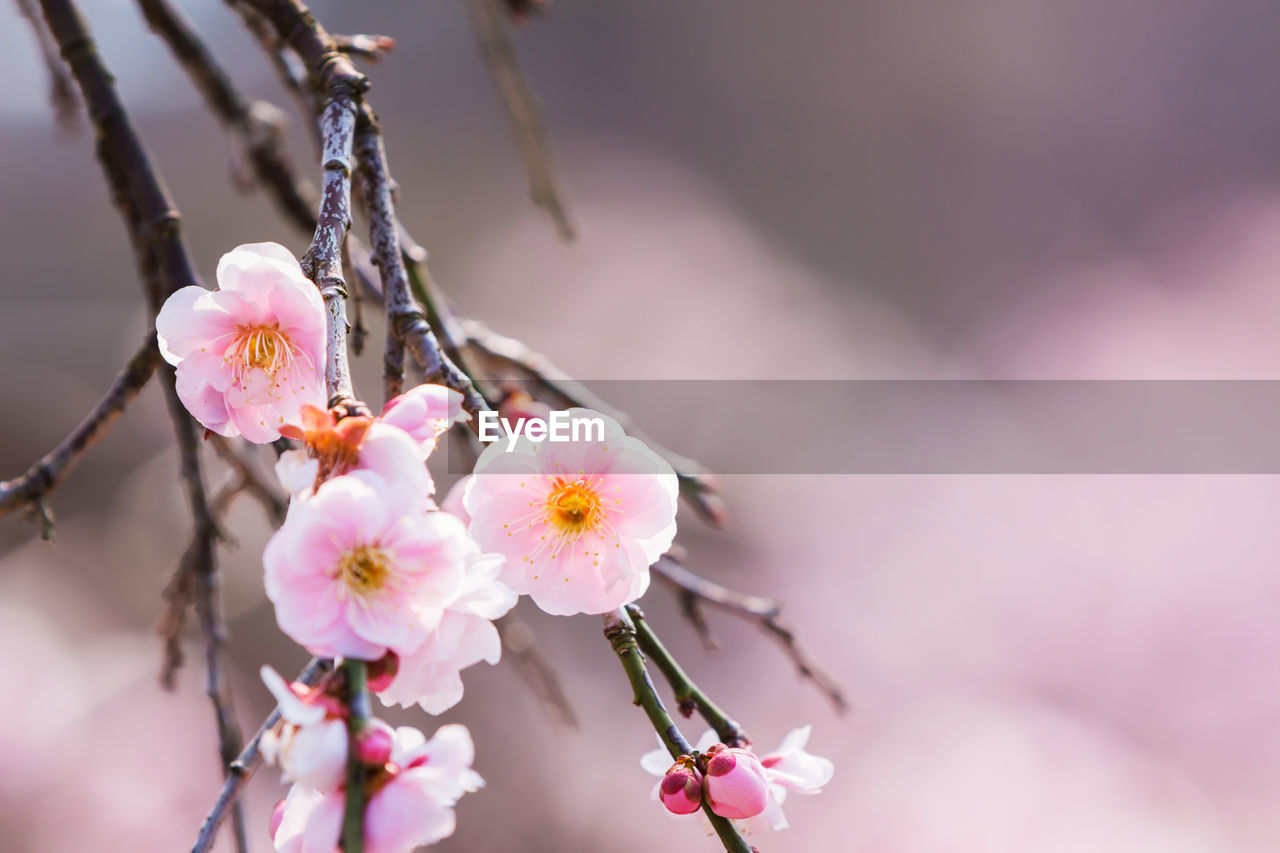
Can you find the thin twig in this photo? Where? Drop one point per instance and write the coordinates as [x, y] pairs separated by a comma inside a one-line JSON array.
[[620, 631], [34, 487], [698, 486], [689, 697], [406, 320], [521, 107], [368, 47], [520, 646], [246, 763], [356, 691], [764, 612], [62, 92], [255, 482], [343, 85]]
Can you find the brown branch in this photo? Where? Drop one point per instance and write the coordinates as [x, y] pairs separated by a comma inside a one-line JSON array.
[[254, 481], [343, 85], [521, 647], [62, 93], [764, 612], [406, 320], [521, 107], [34, 487], [698, 486], [241, 770]]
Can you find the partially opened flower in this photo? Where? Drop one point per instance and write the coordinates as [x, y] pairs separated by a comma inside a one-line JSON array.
[[432, 676], [251, 353], [337, 446], [353, 573], [425, 412], [579, 521], [310, 744], [410, 802], [736, 785]]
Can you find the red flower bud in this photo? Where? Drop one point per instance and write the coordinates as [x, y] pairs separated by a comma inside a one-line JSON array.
[[681, 789], [736, 784]]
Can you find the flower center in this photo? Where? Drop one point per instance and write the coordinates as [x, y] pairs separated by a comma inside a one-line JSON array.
[[364, 570], [263, 347], [573, 508]]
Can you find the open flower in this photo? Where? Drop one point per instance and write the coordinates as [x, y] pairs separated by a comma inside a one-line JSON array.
[[310, 745], [788, 768], [410, 804], [432, 676], [580, 522], [251, 353], [352, 573]]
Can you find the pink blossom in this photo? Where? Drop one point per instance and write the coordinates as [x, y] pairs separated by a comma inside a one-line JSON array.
[[431, 676], [425, 412], [681, 788], [360, 443], [411, 804], [580, 522], [251, 353], [735, 783], [353, 574], [310, 746]]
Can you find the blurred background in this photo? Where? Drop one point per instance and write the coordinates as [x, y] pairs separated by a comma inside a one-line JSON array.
[[826, 190]]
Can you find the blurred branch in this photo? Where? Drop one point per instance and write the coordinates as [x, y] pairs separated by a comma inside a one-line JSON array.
[[254, 481], [620, 631], [367, 47], [34, 487], [521, 106], [764, 612], [522, 647], [241, 770], [62, 93], [697, 486]]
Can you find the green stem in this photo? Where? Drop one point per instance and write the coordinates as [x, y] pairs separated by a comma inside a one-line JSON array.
[[689, 697], [621, 631], [358, 704]]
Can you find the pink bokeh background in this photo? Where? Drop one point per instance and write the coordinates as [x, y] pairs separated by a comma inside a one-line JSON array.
[[839, 190]]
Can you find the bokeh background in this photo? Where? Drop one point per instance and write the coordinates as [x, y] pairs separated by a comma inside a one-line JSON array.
[[833, 189]]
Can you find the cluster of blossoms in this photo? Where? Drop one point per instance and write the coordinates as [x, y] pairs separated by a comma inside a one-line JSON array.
[[737, 784], [368, 567], [410, 787]]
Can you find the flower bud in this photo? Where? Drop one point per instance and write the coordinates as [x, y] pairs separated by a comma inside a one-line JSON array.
[[736, 784], [681, 789], [383, 671], [374, 742]]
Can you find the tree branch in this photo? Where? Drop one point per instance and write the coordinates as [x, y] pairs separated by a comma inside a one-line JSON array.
[[34, 487], [765, 612], [620, 631], [357, 696], [406, 321], [62, 93]]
